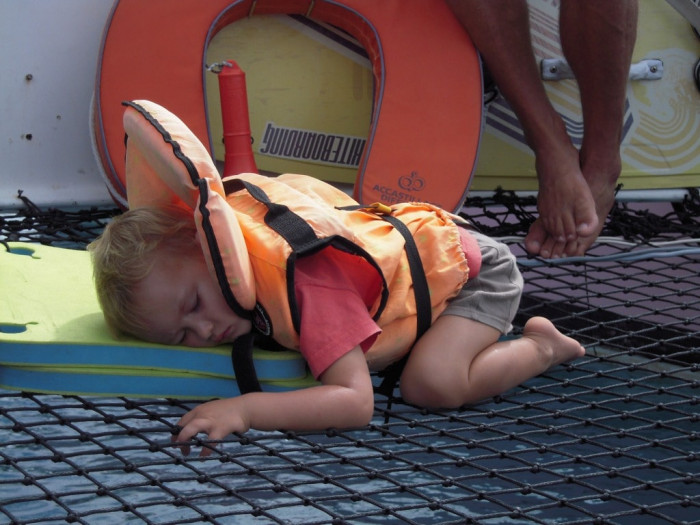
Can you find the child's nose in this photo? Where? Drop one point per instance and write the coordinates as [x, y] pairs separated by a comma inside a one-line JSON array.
[[203, 328]]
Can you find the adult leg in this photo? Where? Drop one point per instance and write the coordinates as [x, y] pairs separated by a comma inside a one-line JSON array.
[[500, 30], [460, 361], [597, 38]]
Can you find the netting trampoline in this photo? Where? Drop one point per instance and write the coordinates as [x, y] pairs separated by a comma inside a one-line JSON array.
[[609, 438]]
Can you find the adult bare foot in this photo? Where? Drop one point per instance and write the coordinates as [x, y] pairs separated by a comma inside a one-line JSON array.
[[602, 180], [567, 210], [555, 346]]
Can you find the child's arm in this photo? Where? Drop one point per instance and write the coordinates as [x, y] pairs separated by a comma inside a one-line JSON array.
[[345, 399]]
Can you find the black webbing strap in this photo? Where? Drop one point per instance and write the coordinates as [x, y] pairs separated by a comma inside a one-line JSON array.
[[299, 235], [279, 217], [423, 308], [243, 367], [291, 227]]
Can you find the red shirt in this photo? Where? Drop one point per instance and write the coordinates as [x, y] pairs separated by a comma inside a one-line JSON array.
[[334, 291]]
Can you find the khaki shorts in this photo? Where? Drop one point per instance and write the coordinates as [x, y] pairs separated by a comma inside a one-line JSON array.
[[493, 296]]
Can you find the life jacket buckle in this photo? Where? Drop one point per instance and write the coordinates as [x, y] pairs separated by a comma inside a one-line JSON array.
[[379, 208]]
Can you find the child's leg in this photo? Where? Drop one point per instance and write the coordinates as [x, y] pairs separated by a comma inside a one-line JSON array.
[[460, 361]]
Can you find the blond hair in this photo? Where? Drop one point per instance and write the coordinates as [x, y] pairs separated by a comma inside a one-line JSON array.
[[125, 254]]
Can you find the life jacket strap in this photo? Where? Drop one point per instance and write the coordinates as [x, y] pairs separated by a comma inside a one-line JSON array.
[[421, 292], [295, 230], [243, 367]]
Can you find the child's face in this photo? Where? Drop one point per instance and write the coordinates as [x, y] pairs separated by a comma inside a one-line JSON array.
[[183, 305]]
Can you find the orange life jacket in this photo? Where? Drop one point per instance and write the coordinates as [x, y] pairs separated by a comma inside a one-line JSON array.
[[253, 228], [310, 215]]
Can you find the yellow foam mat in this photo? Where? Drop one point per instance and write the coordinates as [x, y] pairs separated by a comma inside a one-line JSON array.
[[53, 339]]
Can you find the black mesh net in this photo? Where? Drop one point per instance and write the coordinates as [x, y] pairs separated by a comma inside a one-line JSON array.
[[609, 438]]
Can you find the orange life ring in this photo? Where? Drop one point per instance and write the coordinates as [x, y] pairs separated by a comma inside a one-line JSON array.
[[427, 116]]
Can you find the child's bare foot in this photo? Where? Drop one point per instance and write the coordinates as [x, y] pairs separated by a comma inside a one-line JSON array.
[[553, 345]]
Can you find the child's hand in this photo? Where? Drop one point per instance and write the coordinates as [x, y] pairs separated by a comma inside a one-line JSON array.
[[345, 399], [216, 419]]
